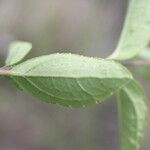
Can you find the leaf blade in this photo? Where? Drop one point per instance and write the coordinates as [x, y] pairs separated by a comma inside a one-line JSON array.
[[70, 80], [133, 114], [17, 51], [136, 31]]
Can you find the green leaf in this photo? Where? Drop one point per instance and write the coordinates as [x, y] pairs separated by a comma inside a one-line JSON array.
[[136, 32], [17, 51], [70, 80], [145, 54], [133, 114]]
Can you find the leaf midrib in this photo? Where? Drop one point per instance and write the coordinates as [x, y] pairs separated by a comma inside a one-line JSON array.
[[70, 77]]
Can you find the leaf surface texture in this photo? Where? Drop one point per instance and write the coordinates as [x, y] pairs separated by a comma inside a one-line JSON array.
[[70, 80]]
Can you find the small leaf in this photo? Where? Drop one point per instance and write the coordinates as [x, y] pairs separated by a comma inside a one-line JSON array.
[[70, 80], [136, 32], [133, 114], [17, 51]]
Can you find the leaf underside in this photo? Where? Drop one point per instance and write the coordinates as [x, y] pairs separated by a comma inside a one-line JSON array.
[[136, 32], [17, 51], [133, 114], [70, 80]]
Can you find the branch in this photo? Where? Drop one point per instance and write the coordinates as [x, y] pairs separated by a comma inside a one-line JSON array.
[[5, 71], [136, 63]]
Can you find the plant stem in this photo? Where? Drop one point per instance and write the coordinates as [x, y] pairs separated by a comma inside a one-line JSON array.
[[5, 71], [136, 63]]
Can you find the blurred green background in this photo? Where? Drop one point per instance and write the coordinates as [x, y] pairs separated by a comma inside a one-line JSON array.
[[88, 27]]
